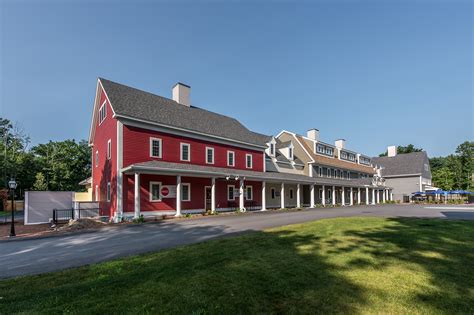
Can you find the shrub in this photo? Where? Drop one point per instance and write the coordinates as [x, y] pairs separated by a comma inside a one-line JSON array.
[[140, 219]]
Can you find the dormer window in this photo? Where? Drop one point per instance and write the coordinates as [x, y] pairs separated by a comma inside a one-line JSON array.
[[290, 153], [320, 149], [343, 155], [272, 149], [329, 151]]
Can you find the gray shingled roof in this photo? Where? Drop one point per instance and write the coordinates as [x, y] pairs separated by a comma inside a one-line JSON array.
[[403, 164], [134, 103]]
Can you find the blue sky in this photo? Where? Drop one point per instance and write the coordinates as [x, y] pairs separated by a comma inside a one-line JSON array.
[[376, 73]]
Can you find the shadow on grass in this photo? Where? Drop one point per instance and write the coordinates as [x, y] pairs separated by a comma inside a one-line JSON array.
[[442, 249]]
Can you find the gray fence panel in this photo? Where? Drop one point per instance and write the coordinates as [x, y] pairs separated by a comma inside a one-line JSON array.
[[39, 205]]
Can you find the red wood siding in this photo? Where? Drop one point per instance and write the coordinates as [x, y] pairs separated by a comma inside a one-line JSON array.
[[107, 169], [136, 149], [197, 193]]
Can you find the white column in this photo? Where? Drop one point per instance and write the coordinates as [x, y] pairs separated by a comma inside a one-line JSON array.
[[343, 195], [358, 196], [137, 196], [298, 197], [178, 196], [213, 195], [282, 195], [264, 197], [378, 196], [373, 196], [241, 194], [384, 195], [312, 196], [366, 195], [391, 194], [333, 195], [352, 197], [323, 197]]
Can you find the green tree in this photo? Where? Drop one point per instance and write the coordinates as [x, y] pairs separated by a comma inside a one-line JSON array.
[[404, 149], [465, 154], [443, 178], [40, 182]]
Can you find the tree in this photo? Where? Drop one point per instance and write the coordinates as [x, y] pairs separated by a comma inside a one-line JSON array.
[[465, 153], [40, 183], [443, 178], [404, 149]]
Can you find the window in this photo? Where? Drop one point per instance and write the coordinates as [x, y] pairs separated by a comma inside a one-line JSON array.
[[155, 188], [102, 112], [209, 155], [249, 192], [230, 192], [320, 148], [185, 154], [186, 192], [291, 193], [96, 193], [329, 151], [320, 194], [333, 171], [108, 192], [272, 149], [352, 157], [155, 147], [338, 175], [328, 172], [320, 172], [248, 158], [290, 153], [273, 193], [343, 155], [96, 158], [109, 149], [230, 158]]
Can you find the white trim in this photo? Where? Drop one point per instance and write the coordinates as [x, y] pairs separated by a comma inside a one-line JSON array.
[[233, 158], [205, 188], [26, 207], [251, 192], [233, 192], [96, 162], [102, 118], [119, 148], [181, 145], [264, 163], [189, 191], [212, 149], [247, 155], [160, 148], [150, 193], [109, 149], [97, 193]]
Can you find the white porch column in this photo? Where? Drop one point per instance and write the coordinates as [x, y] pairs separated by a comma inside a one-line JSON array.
[[366, 195], [241, 194], [312, 197], [358, 196], [378, 196], [352, 197], [373, 196], [282, 195], [333, 195], [323, 197], [213, 195], [384, 195], [178, 196], [137, 196], [264, 197], [343, 195], [298, 197], [391, 195]]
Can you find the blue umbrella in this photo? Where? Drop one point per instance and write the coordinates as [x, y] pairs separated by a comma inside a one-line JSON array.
[[418, 193]]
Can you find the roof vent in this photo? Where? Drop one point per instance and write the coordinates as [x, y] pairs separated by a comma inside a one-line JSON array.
[[181, 93], [392, 151]]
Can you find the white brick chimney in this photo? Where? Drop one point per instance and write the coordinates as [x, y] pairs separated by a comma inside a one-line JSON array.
[[340, 143], [392, 150], [313, 134], [181, 93]]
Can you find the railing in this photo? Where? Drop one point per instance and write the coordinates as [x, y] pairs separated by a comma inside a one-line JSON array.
[[61, 215]]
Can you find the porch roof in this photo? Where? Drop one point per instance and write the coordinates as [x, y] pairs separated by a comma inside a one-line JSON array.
[[170, 168]]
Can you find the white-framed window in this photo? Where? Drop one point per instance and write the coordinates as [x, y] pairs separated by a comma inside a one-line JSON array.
[[155, 147], [291, 193], [102, 112], [209, 155], [320, 148], [96, 192], [109, 149], [249, 192], [343, 155], [185, 152], [329, 151], [320, 172], [97, 158], [108, 192], [328, 172], [230, 192], [352, 157], [230, 158], [273, 193], [272, 149], [185, 192], [290, 153], [249, 160], [155, 191]]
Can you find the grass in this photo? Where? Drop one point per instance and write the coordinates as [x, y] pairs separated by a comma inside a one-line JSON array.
[[344, 265]]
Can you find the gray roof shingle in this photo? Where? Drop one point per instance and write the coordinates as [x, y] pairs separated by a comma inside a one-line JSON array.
[[404, 164], [134, 103]]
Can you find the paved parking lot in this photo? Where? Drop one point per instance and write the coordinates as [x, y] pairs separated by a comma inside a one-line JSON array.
[[21, 257]]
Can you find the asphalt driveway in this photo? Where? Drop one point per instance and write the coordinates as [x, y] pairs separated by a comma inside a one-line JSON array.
[[23, 257]]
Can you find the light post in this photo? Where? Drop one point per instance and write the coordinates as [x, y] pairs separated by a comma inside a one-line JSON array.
[[12, 185]]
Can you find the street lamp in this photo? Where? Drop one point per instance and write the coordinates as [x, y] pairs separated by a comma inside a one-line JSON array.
[[12, 185]]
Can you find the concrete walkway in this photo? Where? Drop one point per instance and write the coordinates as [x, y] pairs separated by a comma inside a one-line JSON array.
[[23, 257]]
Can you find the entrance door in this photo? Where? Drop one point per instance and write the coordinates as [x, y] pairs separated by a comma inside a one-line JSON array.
[[207, 198]]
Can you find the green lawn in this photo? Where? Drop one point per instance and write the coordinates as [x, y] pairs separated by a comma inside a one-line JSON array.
[[346, 265]]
